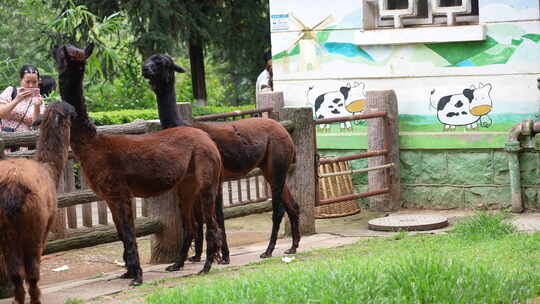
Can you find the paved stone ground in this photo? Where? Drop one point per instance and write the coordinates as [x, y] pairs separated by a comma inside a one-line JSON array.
[[331, 233]]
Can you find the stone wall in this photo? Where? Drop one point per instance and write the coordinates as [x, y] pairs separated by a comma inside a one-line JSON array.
[[468, 179]]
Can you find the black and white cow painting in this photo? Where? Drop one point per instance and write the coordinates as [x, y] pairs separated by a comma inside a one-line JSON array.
[[332, 104], [464, 109]]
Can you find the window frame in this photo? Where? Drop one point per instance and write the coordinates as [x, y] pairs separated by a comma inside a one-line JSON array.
[[445, 26], [387, 19]]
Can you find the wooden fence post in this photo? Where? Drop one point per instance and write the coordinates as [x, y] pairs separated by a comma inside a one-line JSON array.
[[5, 283], [69, 186], [185, 111], [59, 225], [165, 208], [270, 99], [384, 101], [302, 181]]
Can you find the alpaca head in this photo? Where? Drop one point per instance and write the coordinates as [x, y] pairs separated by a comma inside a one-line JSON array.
[[58, 115], [159, 69], [69, 57]]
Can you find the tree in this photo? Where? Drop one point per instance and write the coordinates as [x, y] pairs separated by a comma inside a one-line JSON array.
[[162, 26], [19, 38], [113, 78], [240, 39], [231, 31]]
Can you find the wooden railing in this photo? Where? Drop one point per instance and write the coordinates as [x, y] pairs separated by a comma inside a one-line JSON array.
[[85, 221]]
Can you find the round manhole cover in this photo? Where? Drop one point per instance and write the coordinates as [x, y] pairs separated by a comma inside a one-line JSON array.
[[408, 222]]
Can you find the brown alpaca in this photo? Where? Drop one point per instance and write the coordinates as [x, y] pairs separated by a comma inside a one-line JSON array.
[[119, 167], [28, 200], [244, 145]]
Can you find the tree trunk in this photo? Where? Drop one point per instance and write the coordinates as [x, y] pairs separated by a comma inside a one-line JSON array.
[[196, 58], [236, 88]]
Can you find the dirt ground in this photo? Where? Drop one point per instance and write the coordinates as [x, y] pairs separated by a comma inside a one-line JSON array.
[[94, 262], [247, 237]]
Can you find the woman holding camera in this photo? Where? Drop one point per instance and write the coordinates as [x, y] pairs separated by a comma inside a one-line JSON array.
[[19, 107]]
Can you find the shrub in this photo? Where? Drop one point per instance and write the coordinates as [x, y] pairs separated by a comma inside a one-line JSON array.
[[126, 116]]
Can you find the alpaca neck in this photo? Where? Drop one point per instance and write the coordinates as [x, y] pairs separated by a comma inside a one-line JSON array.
[[71, 90], [53, 149], [166, 102]]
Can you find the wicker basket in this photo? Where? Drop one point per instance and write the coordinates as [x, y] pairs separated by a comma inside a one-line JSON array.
[[334, 186]]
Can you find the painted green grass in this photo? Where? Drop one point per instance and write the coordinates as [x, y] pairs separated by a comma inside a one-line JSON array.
[[499, 266], [406, 125]]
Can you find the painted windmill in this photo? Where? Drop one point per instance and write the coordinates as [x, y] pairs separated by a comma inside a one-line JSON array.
[[307, 42]]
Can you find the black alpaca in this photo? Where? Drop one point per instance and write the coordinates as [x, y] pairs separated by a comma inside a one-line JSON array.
[[244, 145]]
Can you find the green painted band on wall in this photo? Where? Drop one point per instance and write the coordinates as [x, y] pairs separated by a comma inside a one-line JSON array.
[[412, 140]]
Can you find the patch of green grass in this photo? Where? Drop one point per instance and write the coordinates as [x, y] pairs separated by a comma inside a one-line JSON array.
[[485, 225], [97, 276], [404, 269], [73, 301]]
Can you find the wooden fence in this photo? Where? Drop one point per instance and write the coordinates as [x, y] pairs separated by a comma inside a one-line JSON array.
[[84, 221]]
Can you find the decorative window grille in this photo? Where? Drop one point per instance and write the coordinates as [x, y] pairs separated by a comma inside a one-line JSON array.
[[403, 13]]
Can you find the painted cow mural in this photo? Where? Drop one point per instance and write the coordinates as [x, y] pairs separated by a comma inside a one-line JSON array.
[[464, 109], [346, 100]]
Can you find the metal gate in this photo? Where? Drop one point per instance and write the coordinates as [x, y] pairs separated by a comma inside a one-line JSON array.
[[387, 166]]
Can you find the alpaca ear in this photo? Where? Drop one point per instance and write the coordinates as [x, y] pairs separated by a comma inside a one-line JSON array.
[[89, 49], [179, 69]]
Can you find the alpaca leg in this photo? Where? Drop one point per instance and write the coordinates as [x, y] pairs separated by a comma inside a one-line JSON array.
[[220, 217], [212, 236], [124, 222], [32, 265], [198, 237], [120, 234], [187, 212], [275, 175], [293, 211], [187, 238], [16, 274], [225, 254], [213, 232], [277, 215]]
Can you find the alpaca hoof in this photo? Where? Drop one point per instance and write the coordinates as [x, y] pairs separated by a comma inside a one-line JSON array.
[[290, 251], [194, 259], [173, 267], [127, 275], [136, 282], [225, 261], [203, 271], [266, 255]]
